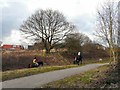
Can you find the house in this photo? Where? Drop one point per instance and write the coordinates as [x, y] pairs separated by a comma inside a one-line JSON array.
[[30, 47], [12, 47]]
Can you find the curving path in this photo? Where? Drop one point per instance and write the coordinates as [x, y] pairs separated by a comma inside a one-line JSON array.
[[43, 78]]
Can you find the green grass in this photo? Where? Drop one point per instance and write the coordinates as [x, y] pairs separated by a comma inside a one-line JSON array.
[[79, 81], [12, 74], [30, 71], [96, 61]]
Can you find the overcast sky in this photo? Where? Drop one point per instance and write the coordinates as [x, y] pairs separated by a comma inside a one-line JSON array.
[[82, 13]]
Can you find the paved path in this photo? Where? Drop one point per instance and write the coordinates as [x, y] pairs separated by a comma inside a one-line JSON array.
[[43, 78]]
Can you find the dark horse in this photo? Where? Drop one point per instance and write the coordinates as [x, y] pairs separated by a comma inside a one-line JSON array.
[[78, 59], [33, 65]]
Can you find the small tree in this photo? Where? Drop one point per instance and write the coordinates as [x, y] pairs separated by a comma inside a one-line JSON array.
[[74, 42], [47, 26], [38, 46]]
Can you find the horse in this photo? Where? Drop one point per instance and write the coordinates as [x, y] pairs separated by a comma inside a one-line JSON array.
[[77, 62], [33, 65]]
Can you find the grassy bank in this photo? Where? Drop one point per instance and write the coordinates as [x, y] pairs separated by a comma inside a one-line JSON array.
[[112, 79], [83, 80], [12, 74], [12, 60]]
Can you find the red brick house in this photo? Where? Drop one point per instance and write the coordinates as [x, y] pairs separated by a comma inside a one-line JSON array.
[[12, 47]]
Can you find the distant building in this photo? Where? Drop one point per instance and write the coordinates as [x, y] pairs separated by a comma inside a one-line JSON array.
[[12, 47], [30, 47]]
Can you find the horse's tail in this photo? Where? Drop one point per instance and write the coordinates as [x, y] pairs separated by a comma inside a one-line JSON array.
[[29, 65]]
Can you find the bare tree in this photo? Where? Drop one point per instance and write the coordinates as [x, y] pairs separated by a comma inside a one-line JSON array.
[[107, 26], [48, 26], [119, 29]]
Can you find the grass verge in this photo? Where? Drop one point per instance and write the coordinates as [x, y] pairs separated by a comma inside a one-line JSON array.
[[7, 75], [12, 74], [82, 80]]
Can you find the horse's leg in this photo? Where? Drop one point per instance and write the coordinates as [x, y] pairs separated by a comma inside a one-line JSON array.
[[78, 62], [42, 63], [29, 65]]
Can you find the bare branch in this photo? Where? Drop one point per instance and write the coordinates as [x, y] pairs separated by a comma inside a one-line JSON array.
[[50, 26]]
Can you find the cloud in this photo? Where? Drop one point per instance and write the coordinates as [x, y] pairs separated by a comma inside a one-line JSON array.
[[82, 13], [12, 17], [14, 38], [85, 24], [71, 8], [3, 3]]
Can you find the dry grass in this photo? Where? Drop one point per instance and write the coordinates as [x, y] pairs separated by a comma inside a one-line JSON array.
[[19, 60], [79, 81]]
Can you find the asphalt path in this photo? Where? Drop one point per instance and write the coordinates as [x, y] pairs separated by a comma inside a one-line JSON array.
[[37, 80]]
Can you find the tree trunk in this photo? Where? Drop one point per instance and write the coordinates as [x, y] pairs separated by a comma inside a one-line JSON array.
[[48, 48], [47, 51]]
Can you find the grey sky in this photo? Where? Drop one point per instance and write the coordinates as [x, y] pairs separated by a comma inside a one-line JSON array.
[[82, 13], [12, 17]]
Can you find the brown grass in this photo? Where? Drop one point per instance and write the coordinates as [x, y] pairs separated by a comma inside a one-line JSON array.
[[20, 59], [12, 60]]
